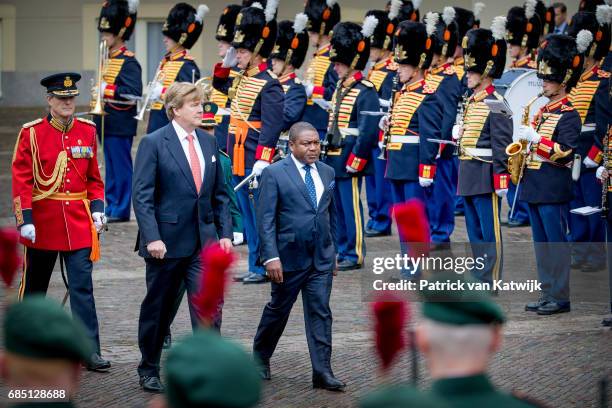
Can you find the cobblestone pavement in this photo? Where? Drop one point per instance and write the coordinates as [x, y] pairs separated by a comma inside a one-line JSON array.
[[557, 359]]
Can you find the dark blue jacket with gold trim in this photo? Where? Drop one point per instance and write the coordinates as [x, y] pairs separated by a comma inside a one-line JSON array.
[[295, 99], [324, 78], [381, 75], [591, 99], [255, 124], [449, 95], [177, 67], [548, 174], [416, 117], [123, 77], [358, 131], [482, 153], [222, 121]]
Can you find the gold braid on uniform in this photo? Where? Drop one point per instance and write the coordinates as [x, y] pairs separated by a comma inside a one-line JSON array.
[[42, 179]]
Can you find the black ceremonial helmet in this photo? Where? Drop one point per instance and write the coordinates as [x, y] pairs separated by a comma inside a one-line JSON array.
[[255, 31], [484, 53], [118, 17], [291, 46], [383, 33], [323, 15], [349, 46], [184, 24], [412, 46], [596, 23], [523, 27], [446, 35], [559, 60], [227, 21]]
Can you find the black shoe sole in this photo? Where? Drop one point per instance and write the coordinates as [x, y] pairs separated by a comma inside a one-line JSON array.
[[350, 268], [334, 389], [547, 313], [101, 369], [255, 282], [531, 309], [377, 234]]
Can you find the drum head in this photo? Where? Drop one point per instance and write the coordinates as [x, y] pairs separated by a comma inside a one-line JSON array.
[[502, 84], [522, 89]]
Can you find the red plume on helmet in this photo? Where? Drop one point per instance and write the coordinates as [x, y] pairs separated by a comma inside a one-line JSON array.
[[390, 315], [10, 259], [413, 226], [215, 264]]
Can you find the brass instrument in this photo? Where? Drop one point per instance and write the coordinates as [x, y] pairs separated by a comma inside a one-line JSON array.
[[387, 130], [205, 83], [459, 119], [333, 138], [605, 183], [97, 103], [519, 151], [158, 79]]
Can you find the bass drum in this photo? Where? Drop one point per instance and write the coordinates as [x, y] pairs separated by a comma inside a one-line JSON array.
[[518, 86]]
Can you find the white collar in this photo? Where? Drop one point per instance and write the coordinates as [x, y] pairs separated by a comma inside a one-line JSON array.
[[181, 133], [301, 165]]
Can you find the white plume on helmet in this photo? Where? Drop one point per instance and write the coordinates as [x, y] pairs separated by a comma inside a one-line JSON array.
[[416, 3], [583, 40], [331, 3], [530, 6], [369, 25], [394, 8], [133, 6], [448, 15], [270, 10], [257, 5], [478, 7], [300, 22], [498, 27], [202, 11], [431, 19], [604, 14]]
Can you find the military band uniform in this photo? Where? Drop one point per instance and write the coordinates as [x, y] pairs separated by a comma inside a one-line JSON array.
[[295, 99], [56, 187]]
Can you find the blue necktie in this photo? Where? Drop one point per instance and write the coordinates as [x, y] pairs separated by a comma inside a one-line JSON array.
[[310, 187]]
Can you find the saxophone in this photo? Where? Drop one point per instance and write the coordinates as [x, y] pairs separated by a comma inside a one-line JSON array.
[[459, 119], [518, 151], [605, 182]]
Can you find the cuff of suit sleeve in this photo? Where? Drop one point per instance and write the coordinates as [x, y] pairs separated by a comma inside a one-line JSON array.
[[276, 258], [501, 181], [264, 153], [595, 154], [96, 206], [109, 91], [318, 92], [220, 71], [356, 163], [427, 171]]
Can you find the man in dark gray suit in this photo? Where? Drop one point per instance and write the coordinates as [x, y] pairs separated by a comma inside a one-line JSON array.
[[296, 221], [181, 204]]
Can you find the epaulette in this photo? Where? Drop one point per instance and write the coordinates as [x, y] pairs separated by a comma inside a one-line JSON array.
[[188, 57], [367, 83], [566, 108], [450, 70], [83, 120], [428, 89], [532, 64], [603, 74], [272, 74], [128, 53], [32, 123]]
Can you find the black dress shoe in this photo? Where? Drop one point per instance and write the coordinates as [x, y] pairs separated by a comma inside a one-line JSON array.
[[607, 322], [534, 306], [97, 363], [592, 268], [347, 265], [167, 341], [112, 220], [264, 371], [255, 278], [240, 278], [151, 384], [516, 224], [551, 308], [459, 213], [328, 382], [370, 232]]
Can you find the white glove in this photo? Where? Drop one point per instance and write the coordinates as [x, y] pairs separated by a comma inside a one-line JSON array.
[[230, 58], [457, 131], [384, 103], [99, 220], [601, 173], [425, 182], [309, 89], [380, 144], [349, 169], [383, 122], [28, 232], [501, 192], [238, 238], [529, 134], [588, 163], [259, 166], [103, 86], [156, 91]]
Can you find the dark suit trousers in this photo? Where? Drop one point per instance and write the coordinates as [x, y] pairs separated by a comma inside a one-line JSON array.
[[316, 289], [164, 278]]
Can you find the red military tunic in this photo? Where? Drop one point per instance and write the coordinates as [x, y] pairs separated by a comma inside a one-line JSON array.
[[56, 183]]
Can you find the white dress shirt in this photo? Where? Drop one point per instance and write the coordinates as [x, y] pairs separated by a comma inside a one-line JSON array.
[[315, 176], [182, 135]]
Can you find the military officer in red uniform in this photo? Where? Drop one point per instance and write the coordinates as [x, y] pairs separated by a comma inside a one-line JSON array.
[[58, 201]]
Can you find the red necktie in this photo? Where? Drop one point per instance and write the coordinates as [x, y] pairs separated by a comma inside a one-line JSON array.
[[196, 170]]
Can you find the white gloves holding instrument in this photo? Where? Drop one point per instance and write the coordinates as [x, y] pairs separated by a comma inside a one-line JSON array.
[[28, 232], [259, 166], [457, 132], [425, 182], [157, 91], [501, 192], [529, 134], [601, 173], [99, 220], [383, 122], [230, 58]]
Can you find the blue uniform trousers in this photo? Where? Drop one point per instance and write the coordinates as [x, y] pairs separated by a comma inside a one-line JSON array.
[[247, 208], [349, 228], [441, 202], [549, 228], [316, 289], [458, 199], [118, 180], [378, 193], [482, 213], [521, 208], [587, 232]]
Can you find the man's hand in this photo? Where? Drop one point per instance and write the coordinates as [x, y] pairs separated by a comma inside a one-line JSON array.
[[383, 122], [602, 173], [457, 132], [529, 134], [425, 182], [156, 91], [99, 220], [225, 244], [274, 269], [230, 58], [589, 163], [28, 232], [259, 166], [157, 249]]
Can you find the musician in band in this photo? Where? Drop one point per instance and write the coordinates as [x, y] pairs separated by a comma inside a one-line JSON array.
[[547, 180], [287, 56], [257, 97], [351, 136], [482, 139], [603, 174], [591, 99], [123, 76], [381, 74], [181, 30], [416, 116], [320, 78]]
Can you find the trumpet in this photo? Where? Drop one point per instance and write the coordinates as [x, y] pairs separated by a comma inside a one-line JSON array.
[[97, 103], [519, 151], [147, 101]]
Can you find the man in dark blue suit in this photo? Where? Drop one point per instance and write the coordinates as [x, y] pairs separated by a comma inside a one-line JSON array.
[[180, 203], [296, 221]]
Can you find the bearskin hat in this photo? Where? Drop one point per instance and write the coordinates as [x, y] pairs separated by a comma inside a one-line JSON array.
[[599, 25], [349, 46], [409, 10], [184, 24], [589, 5], [445, 36], [323, 15], [227, 21], [118, 17], [547, 17], [559, 59], [484, 50], [465, 20], [256, 29], [523, 26], [410, 45], [292, 41], [381, 38]]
